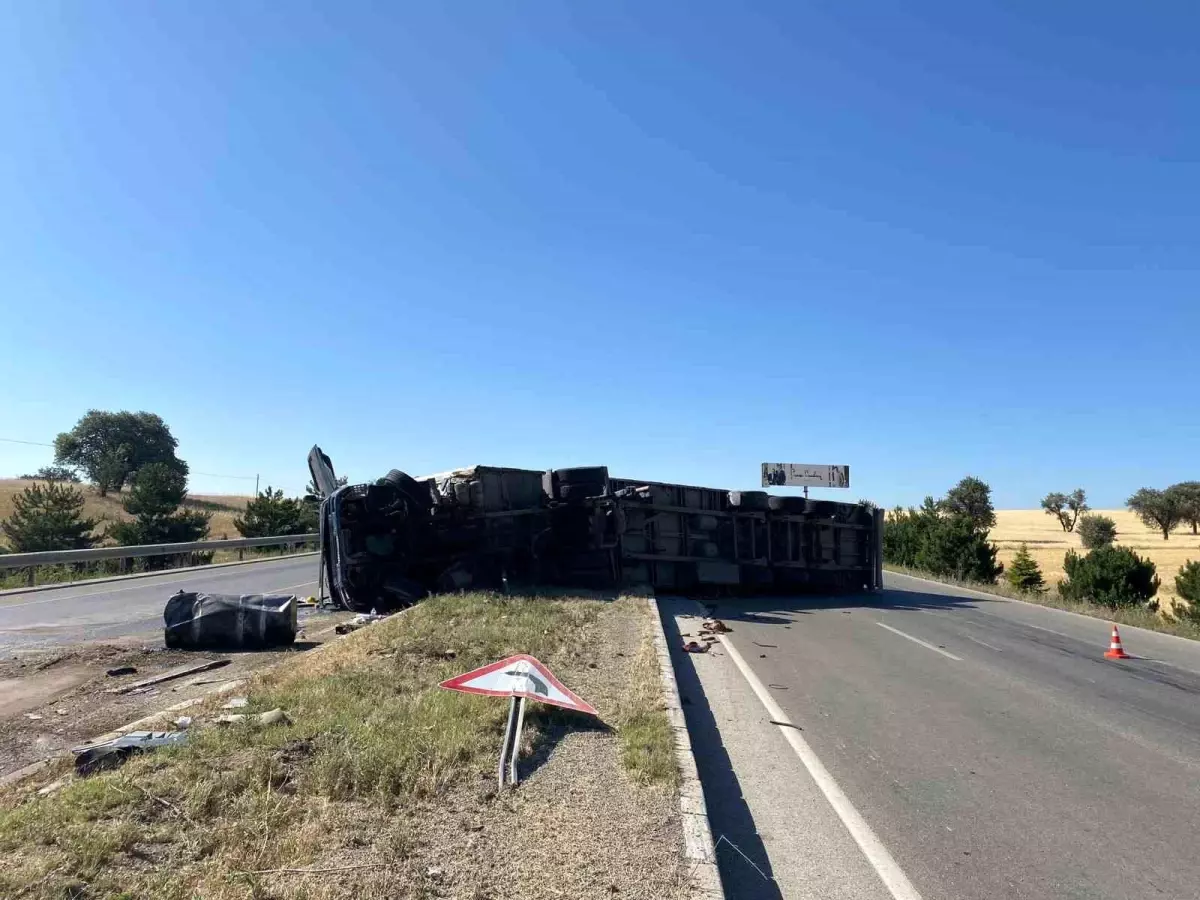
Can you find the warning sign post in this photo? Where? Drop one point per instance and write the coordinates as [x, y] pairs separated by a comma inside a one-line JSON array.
[[521, 678]]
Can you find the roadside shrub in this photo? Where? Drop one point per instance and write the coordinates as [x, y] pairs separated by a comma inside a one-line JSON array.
[[952, 546], [1096, 531], [1114, 577], [1187, 586], [1024, 573], [946, 537]]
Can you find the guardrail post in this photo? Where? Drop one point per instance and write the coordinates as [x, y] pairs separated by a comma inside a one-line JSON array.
[[241, 554], [31, 575]]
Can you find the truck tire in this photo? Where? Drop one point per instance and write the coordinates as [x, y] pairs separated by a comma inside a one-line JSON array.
[[791, 505], [823, 509], [412, 490], [749, 500], [570, 485]]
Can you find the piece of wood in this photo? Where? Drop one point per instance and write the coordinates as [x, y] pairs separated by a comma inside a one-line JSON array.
[[167, 676]]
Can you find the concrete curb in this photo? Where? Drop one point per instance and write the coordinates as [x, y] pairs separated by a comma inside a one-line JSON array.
[[84, 582], [698, 847]]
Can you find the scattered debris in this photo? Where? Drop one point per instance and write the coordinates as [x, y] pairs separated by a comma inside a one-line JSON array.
[[236, 703], [112, 753], [60, 712], [359, 621], [270, 717], [195, 619], [694, 647], [34, 717], [121, 670], [52, 787], [183, 723], [714, 626], [307, 601], [772, 646], [136, 686]]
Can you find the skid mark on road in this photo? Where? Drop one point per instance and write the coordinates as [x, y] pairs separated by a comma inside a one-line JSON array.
[[917, 640]]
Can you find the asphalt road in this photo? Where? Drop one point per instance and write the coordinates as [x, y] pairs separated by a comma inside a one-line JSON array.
[[82, 612], [985, 745]]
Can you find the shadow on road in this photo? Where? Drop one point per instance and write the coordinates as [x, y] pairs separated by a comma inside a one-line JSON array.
[[728, 814], [782, 610]]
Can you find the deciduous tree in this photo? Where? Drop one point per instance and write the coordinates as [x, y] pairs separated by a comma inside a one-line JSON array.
[[109, 447], [1161, 510], [1066, 507]]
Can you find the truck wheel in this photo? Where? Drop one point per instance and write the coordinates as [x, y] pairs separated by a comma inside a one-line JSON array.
[[792, 505], [825, 509], [756, 500], [584, 481], [411, 489]]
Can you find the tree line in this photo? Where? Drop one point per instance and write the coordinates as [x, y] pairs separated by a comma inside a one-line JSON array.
[[949, 537], [133, 455]]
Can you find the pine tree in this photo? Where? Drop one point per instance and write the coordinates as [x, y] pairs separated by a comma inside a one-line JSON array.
[[48, 517], [1024, 573], [158, 491]]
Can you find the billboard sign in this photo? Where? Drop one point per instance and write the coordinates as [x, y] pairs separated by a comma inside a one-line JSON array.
[[804, 475]]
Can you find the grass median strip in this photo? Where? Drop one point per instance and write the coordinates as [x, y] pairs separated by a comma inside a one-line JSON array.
[[384, 785]]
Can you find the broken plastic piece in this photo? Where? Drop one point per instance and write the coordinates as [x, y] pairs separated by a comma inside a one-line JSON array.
[[112, 753]]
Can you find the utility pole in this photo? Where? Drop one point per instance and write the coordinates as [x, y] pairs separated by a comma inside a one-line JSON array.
[[256, 485]]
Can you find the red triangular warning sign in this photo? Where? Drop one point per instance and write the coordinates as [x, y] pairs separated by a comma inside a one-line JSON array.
[[519, 676]]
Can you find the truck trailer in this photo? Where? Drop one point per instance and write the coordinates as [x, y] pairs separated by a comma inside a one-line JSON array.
[[387, 543]]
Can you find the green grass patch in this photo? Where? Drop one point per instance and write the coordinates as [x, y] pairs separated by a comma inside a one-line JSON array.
[[646, 739], [370, 728]]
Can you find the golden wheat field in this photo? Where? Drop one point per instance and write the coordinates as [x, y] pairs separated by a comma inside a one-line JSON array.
[[1048, 543], [223, 507]]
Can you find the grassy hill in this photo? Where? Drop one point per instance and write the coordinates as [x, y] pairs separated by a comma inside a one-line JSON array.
[[1048, 543], [223, 507]]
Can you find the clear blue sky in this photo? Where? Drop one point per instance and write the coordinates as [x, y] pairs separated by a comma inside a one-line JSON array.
[[926, 239]]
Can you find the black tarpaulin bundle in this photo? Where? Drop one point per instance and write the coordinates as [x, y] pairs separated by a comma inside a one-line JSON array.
[[195, 619]]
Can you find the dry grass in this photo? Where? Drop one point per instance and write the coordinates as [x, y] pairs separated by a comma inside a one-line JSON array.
[[382, 772], [1048, 544], [223, 507]]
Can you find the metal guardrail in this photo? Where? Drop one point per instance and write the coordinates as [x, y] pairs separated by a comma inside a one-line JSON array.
[[60, 557]]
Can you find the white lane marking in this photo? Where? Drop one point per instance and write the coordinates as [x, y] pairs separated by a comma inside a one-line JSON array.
[[983, 643], [289, 587], [148, 583], [877, 854], [917, 640]]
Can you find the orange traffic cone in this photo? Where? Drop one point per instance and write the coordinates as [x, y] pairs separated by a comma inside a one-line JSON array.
[[1115, 650]]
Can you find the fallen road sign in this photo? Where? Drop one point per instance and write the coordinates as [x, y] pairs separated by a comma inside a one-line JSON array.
[[519, 676]]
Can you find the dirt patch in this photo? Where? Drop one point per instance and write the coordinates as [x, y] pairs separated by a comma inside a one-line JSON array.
[[53, 700]]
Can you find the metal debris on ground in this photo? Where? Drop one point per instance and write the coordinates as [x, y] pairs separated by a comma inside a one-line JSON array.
[[33, 717], [359, 621], [236, 703], [146, 683], [714, 626], [695, 647], [112, 753], [183, 723], [122, 670]]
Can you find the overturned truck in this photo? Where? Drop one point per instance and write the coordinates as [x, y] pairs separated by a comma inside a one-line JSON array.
[[386, 544]]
